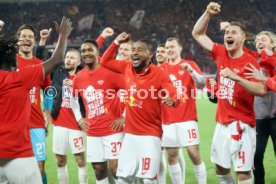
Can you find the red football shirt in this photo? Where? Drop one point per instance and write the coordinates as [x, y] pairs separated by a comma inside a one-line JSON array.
[[15, 111], [66, 116], [98, 89], [143, 103], [186, 91], [37, 118], [234, 101], [271, 83]]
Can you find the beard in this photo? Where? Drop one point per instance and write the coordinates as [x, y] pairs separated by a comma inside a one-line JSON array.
[[69, 68], [141, 66]]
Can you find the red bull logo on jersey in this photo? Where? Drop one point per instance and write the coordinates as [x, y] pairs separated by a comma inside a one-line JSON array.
[[133, 102]]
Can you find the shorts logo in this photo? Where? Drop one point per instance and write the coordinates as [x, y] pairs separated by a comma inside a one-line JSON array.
[[144, 172], [115, 154], [240, 166]]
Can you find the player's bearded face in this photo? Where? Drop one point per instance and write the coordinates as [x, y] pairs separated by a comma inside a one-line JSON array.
[[26, 41], [233, 38], [140, 56], [89, 53], [72, 60]]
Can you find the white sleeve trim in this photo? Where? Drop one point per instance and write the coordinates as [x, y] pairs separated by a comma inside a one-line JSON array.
[[76, 108]]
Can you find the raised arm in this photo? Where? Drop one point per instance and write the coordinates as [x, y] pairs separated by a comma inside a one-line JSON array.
[[108, 58], [44, 34], [199, 30], [64, 30], [107, 32], [195, 73]]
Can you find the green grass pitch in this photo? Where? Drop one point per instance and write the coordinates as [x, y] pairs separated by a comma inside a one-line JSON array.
[[206, 115]]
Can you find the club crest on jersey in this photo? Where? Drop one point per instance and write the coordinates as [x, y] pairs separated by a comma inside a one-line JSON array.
[[100, 82], [181, 72]]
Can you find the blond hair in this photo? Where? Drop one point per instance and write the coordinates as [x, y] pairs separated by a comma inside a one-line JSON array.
[[271, 36]]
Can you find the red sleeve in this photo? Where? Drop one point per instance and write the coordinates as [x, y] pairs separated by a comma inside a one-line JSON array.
[[218, 51], [195, 67], [113, 65], [251, 52], [167, 85], [31, 75], [110, 53], [74, 87], [100, 40], [46, 82], [271, 84], [119, 82]]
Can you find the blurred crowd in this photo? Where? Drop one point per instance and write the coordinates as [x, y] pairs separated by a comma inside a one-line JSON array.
[[162, 19]]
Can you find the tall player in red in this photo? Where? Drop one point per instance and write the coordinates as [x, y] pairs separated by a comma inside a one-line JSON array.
[[180, 128], [145, 85], [98, 88], [16, 149], [234, 139], [25, 57]]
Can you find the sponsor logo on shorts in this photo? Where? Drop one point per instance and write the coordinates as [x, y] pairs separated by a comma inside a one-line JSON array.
[[144, 172]]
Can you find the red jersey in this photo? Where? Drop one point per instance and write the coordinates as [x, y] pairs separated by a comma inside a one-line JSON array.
[[271, 84], [268, 63], [66, 116], [234, 101], [15, 111], [186, 91], [98, 89], [37, 118], [143, 102]]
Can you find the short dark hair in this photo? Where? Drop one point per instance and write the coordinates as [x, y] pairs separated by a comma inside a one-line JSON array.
[[147, 42], [161, 45], [93, 42], [25, 26], [176, 39], [8, 52]]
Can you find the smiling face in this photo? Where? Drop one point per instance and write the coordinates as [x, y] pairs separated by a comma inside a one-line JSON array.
[[124, 52], [173, 49], [161, 55], [265, 40], [233, 38], [141, 55], [26, 42], [89, 53]]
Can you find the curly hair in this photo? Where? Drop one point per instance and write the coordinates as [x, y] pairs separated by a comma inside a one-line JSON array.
[[8, 50]]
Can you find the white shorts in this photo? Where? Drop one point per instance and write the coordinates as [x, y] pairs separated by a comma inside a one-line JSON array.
[[64, 138], [139, 157], [231, 147], [19, 171], [182, 134], [101, 149]]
